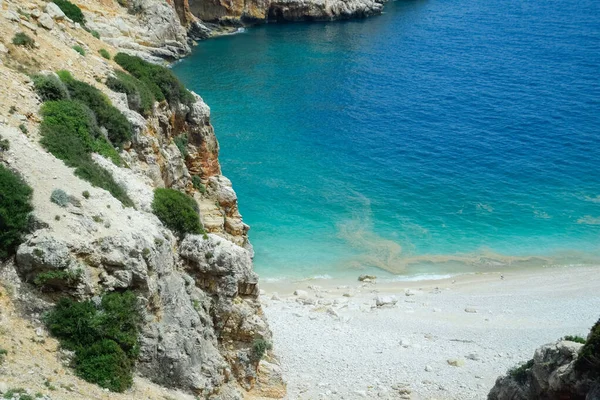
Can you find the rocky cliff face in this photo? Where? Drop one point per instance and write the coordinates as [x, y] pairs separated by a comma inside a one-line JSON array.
[[199, 295], [156, 29], [257, 11], [550, 375]]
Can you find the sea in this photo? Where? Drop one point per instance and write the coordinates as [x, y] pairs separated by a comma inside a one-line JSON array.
[[441, 137]]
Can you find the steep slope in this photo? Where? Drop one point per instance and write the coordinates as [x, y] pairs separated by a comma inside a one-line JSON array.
[[197, 295]]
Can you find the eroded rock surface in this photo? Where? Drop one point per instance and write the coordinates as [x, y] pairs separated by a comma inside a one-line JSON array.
[[551, 377]]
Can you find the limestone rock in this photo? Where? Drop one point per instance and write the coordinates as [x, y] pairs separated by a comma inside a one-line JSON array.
[[322, 10], [12, 16], [382, 301], [551, 376], [54, 11], [46, 21], [456, 362]]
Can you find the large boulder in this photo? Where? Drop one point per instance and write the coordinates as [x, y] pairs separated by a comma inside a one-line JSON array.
[[550, 375]]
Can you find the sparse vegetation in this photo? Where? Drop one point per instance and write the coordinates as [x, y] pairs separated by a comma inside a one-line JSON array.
[[104, 53], [177, 211], [3, 354], [139, 97], [520, 373], [71, 10], [79, 49], [24, 40], [15, 207], [181, 142], [50, 88], [17, 392], [259, 348], [58, 278], [575, 338], [160, 80], [198, 184], [589, 355], [104, 338], [60, 197]]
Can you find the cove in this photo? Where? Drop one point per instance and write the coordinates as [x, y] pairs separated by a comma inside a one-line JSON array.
[[441, 137]]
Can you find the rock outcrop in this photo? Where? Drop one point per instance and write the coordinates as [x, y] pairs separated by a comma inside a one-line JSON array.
[[550, 375], [322, 10], [258, 11]]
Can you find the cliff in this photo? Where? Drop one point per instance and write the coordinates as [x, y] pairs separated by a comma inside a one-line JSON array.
[[197, 295], [156, 29]]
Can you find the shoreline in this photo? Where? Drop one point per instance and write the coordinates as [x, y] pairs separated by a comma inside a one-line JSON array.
[[436, 339]]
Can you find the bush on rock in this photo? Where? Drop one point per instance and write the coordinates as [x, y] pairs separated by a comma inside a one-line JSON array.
[[104, 337], [177, 211], [15, 207]]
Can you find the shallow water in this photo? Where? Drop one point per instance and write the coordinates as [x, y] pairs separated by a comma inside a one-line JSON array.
[[442, 136]]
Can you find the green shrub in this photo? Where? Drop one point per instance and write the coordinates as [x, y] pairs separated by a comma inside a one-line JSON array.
[[104, 53], [588, 360], [68, 130], [102, 147], [79, 49], [15, 206], [17, 392], [60, 197], [139, 97], [71, 10], [22, 39], [58, 278], [177, 211], [70, 134], [50, 88], [198, 184], [575, 338], [181, 142], [259, 348], [3, 354], [520, 373], [23, 128], [4, 144], [160, 80], [104, 338], [105, 364], [96, 35], [119, 129]]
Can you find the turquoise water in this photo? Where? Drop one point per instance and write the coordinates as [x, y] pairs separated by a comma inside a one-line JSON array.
[[441, 136]]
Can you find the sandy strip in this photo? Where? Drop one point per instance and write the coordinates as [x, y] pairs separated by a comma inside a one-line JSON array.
[[335, 343]]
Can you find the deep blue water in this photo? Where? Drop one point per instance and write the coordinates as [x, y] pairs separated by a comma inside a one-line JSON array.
[[443, 135]]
